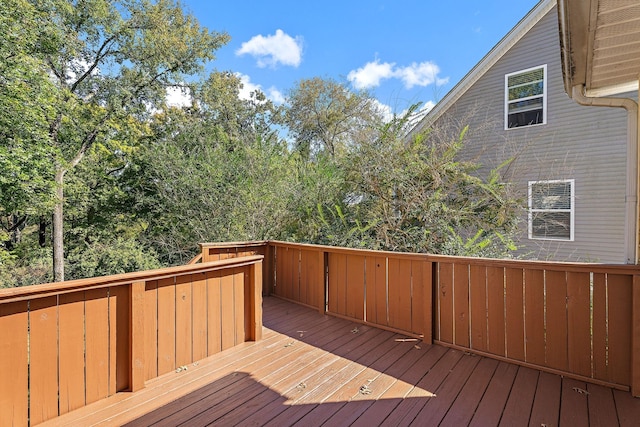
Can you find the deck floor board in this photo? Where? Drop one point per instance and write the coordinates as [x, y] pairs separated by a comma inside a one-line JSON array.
[[314, 369]]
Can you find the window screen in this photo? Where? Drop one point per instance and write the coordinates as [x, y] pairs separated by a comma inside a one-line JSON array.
[[525, 98], [551, 210]]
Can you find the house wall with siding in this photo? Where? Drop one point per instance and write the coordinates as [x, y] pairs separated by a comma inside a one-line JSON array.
[[587, 144]]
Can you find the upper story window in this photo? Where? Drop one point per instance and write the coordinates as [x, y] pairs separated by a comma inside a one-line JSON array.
[[551, 209], [526, 97]]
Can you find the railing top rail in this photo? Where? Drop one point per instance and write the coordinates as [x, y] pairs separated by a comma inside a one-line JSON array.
[[57, 288], [196, 259], [487, 262], [234, 244]]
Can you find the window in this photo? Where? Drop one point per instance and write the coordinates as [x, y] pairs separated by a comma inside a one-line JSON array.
[[551, 209], [525, 97]]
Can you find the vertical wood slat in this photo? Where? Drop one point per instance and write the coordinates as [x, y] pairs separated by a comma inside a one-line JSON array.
[[199, 301], [600, 366], [71, 351], [399, 293], [478, 298], [151, 329], [534, 316], [445, 297], [495, 310], [277, 252], [294, 271], [239, 305], [311, 277], [227, 311], [43, 355], [337, 292], [378, 287], [166, 325], [287, 273], [514, 313], [284, 273], [556, 291], [340, 289], [97, 344], [461, 304], [579, 323], [620, 293], [354, 287], [112, 342], [184, 326], [214, 313], [418, 309], [14, 392], [305, 266], [137, 336]]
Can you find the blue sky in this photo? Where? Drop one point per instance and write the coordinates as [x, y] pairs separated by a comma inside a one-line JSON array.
[[402, 51]]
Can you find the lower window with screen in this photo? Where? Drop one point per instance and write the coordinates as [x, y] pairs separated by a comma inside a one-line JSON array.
[[551, 209]]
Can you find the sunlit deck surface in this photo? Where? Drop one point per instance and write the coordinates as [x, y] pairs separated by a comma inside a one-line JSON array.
[[315, 370]]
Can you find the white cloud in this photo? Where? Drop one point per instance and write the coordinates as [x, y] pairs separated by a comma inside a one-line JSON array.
[[417, 74], [276, 96], [386, 110], [248, 87], [371, 74], [272, 50], [178, 96], [422, 74]]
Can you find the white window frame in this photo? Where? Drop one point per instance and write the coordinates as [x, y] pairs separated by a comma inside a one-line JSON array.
[[544, 97], [572, 210]]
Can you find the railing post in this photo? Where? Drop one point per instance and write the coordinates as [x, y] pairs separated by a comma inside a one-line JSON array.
[[635, 336], [136, 336], [255, 302], [205, 253]]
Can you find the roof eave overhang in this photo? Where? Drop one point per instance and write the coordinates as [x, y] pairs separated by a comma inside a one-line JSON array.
[[599, 45]]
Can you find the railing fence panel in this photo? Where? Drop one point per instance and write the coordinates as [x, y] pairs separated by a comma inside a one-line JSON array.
[[69, 344]]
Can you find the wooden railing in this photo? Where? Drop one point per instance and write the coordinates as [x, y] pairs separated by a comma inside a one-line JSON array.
[[65, 345], [575, 319], [384, 289]]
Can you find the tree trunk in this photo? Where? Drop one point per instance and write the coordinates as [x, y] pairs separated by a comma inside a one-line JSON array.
[[57, 225], [42, 232]]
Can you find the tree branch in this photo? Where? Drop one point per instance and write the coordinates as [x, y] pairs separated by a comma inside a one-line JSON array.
[[99, 57]]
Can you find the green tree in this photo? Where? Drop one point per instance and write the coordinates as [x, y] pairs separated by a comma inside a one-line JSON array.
[[211, 172], [26, 104], [113, 61], [325, 115]]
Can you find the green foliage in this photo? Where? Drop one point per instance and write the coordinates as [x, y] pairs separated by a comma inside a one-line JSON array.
[[212, 172], [419, 197], [26, 104], [113, 256], [326, 116], [82, 90]]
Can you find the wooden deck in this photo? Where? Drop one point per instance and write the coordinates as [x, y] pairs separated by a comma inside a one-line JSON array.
[[313, 370]]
